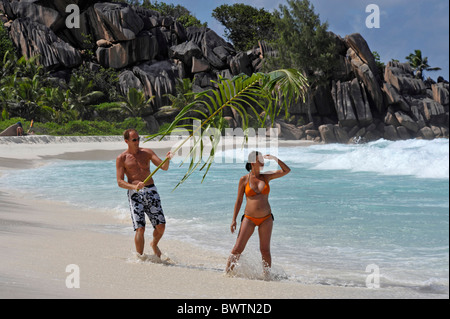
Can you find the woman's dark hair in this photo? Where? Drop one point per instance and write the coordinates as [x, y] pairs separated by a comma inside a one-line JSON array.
[[251, 159]]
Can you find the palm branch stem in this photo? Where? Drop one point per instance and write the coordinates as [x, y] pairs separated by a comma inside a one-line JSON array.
[[200, 127]]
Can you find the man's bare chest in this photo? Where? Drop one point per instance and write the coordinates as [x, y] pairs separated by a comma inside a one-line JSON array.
[[136, 163]]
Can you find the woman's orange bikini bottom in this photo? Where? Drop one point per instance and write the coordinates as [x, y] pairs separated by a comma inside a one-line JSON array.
[[257, 221]]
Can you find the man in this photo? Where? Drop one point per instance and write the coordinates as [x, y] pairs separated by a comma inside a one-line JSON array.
[[143, 198]]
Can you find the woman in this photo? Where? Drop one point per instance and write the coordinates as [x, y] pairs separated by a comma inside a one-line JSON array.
[[255, 186]]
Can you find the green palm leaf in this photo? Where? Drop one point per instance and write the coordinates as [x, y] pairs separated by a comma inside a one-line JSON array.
[[259, 93]]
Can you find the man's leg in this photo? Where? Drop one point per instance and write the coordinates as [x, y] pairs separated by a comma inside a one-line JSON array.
[[157, 235], [139, 240]]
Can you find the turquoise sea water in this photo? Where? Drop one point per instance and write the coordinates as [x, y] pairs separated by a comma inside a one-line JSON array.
[[341, 209]]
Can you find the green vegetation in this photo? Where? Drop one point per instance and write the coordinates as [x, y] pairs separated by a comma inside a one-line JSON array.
[[244, 24], [88, 105], [380, 65], [78, 127], [180, 13], [5, 42], [302, 42], [135, 103]]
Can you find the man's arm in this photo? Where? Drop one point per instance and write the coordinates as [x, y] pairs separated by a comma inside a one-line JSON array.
[[157, 161]]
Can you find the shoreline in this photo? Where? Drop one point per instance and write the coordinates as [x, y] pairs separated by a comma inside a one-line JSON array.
[[40, 238], [45, 237], [31, 151]]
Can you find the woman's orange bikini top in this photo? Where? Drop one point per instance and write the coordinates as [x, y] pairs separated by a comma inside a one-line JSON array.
[[250, 192]]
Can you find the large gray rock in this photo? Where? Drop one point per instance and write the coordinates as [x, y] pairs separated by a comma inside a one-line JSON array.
[[391, 119], [327, 133], [406, 121], [434, 112], [37, 13], [185, 52], [199, 65], [290, 131], [127, 80], [403, 133], [343, 70], [115, 22], [426, 133], [32, 38], [341, 93], [365, 74], [362, 50], [341, 134], [155, 79], [123, 54], [401, 77], [361, 103], [208, 41], [394, 98], [390, 133], [241, 64], [441, 93]]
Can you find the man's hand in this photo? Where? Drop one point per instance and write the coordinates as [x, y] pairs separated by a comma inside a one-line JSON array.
[[169, 155], [139, 186]]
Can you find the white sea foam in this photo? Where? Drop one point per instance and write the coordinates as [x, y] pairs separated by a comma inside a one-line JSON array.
[[419, 158]]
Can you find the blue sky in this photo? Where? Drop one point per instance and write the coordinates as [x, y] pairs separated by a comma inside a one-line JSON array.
[[405, 25]]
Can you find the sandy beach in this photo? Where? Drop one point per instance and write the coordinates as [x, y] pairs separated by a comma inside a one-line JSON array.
[[39, 239]]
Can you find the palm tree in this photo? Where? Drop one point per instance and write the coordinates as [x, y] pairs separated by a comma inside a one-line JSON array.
[[184, 96], [243, 94], [135, 103], [57, 105], [20, 85], [82, 95], [26, 97], [419, 64]]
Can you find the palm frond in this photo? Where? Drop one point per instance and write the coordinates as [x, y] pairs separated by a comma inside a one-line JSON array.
[[258, 94]]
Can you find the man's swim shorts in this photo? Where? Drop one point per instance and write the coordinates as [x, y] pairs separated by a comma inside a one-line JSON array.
[[146, 201]]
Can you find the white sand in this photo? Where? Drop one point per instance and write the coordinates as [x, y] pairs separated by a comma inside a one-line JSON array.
[[39, 239]]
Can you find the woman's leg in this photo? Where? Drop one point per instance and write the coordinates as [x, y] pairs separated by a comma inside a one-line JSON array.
[[265, 233], [246, 231]]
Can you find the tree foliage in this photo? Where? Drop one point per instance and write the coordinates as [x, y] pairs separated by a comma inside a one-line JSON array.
[[5, 42], [180, 13], [244, 24], [419, 63], [302, 41]]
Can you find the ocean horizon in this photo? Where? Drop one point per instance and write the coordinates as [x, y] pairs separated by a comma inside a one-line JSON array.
[[344, 213]]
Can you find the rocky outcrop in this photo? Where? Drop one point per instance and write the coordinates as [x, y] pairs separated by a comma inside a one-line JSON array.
[[367, 104], [32, 38], [149, 50], [359, 103]]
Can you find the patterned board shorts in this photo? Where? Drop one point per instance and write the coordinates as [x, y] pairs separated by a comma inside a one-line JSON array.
[[146, 201]]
